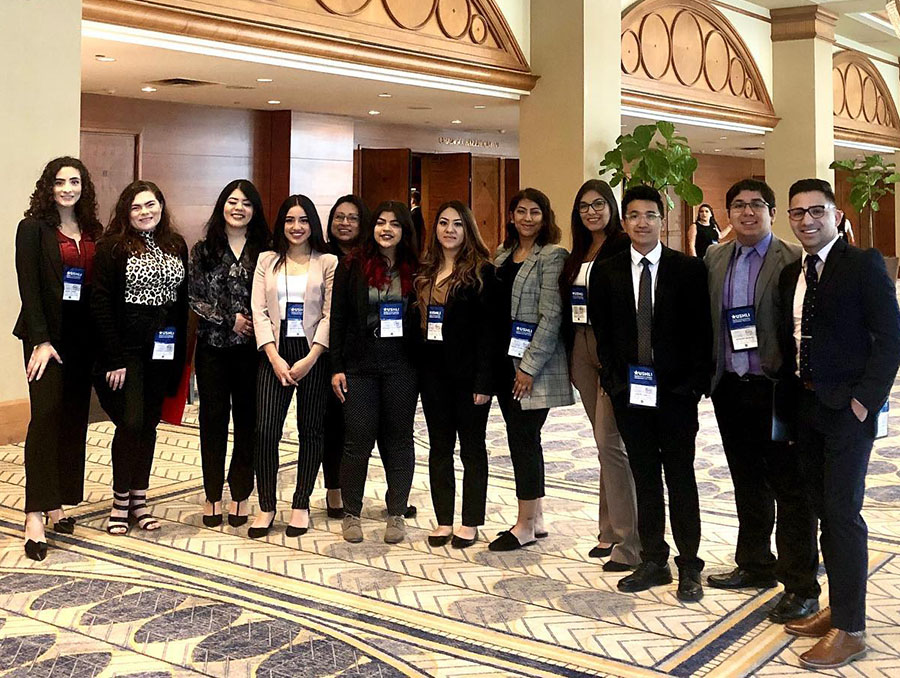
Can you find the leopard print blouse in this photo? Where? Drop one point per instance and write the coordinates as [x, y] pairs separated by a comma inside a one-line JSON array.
[[153, 276]]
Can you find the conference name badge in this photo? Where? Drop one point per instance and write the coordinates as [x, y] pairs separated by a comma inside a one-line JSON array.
[[294, 320], [391, 320], [579, 305], [435, 324], [520, 337], [73, 279], [881, 421], [164, 344], [642, 390], [742, 328]]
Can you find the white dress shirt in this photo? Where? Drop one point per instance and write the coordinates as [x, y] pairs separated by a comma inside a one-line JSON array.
[[800, 290], [637, 268]]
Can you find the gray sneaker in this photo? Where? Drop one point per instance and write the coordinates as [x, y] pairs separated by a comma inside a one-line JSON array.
[[395, 530], [352, 528]]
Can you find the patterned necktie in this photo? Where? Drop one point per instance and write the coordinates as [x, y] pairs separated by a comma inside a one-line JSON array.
[[740, 285], [645, 316], [809, 311]]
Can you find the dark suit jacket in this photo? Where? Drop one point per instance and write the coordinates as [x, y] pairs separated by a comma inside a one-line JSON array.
[[855, 349], [419, 226], [39, 271], [468, 352], [349, 319], [682, 333]]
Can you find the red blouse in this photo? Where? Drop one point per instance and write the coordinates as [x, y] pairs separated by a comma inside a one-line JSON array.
[[75, 257]]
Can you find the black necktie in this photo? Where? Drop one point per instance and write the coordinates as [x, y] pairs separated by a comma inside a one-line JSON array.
[[645, 316], [806, 319]]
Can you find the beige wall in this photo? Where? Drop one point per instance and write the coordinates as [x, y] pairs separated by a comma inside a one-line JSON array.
[[321, 158], [517, 15], [425, 140], [40, 111]]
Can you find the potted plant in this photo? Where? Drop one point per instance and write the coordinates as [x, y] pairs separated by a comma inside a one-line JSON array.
[[654, 155], [871, 178]]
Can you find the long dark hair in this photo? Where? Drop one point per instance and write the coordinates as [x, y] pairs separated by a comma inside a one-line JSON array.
[[364, 217], [712, 215], [257, 229], [120, 229], [280, 242], [470, 261], [375, 265], [42, 205], [581, 236], [549, 232]]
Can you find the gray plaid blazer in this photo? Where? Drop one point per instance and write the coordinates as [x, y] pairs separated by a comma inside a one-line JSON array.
[[535, 299]]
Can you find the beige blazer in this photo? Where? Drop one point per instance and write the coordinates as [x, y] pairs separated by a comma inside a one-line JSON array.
[[316, 303]]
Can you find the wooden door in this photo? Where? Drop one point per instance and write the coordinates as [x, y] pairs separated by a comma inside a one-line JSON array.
[[445, 176], [486, 199], [384, 175], [112, 159]]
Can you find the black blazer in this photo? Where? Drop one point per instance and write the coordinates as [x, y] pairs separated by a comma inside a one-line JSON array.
[[855, 350], [108, 309], [39, 270], [611, 247], [349, 318], [682, 330], [467, 353]]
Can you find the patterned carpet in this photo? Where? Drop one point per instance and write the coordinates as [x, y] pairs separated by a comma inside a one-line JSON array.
[[192, 601]]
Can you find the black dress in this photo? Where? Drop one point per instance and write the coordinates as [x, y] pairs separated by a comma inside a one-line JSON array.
[[707, 235]]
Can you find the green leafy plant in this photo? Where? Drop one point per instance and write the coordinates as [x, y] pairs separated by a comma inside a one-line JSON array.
[[870, 180], [654, 155]]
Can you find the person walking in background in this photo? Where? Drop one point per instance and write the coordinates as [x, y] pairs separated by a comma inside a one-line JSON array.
[[54, 270], [596, 236], [418, 219], [704, 232]]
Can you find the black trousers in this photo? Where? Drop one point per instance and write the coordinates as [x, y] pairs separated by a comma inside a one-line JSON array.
[[834, 450], [272, 402], [380, 407], [135, 409], [226, 381], [54, 444], [523, 437], [765, 474], [334, 441], [662, 439], [450, 411]]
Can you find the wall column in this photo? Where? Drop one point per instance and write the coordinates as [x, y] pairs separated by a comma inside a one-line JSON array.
[[802, 143], [572, 117], [41, 53]]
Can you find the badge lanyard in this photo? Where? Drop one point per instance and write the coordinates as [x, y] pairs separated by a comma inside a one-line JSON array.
[[520, 337], [642, 387], [293, 311], [435, 323], [164, 344], [73, 279], [579, 297], [390, 315], [742, 328]]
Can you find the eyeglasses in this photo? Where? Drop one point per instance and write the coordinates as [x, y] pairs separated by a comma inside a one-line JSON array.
[[349, 218], [635, 217], [598, 206], [755, 205], [815, 211]]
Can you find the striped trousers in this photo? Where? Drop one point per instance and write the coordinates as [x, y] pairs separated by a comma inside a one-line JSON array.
[[272, 403]]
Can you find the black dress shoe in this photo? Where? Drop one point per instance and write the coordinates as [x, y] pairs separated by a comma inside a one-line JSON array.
[[36, 550], [598, 552], [647, 574], [410, 512], [461, 542], [439, 539], [214, 520], [292, 531], [739, 578], [615, 566], [689, 587], [791, 607], [507, 541], [259, 532], [336, 513]]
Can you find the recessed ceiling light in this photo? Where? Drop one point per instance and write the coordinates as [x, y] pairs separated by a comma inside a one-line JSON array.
[[264, 80], [717, 150], [456, 122], [374, 112], [501, 131], [762, 143], [385, 95], [105, 59], [723, 138], [148, 89], [274, 101], [479, 107]]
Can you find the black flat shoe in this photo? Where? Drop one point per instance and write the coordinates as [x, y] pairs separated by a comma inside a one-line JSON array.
[[214, 520], [690, 589], [259, 532], [739, 578], [615, 566], [336, 513], [507, 541], [791, 607], [598, 552], [36, 550], [462, 542], [292, 531], [439, 540]]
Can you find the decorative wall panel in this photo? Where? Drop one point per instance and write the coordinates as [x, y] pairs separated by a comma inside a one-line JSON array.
[[683, 56], [863, 106], [464, 39]]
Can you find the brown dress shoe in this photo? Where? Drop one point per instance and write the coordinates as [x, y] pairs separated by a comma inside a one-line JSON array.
[[814, 626], [837, 648]]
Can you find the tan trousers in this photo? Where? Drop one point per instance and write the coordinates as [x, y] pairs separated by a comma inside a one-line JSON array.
[[618, 507]]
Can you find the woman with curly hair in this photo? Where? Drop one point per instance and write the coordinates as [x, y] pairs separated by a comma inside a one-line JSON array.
[[374, 334], [139, 305], [54, 267], [455, 289], [219, 285]]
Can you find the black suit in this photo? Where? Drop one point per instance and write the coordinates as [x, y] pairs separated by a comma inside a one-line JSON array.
[[662, 437], [60, 399], [854, 353]]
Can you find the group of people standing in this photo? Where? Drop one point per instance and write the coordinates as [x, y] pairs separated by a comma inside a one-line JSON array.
[[357, 318]]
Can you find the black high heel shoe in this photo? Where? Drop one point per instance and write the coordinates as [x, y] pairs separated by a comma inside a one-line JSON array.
[[235, 520], [36, 550], [214, 519], [62, 526], [260, 532]]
